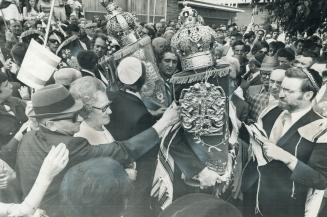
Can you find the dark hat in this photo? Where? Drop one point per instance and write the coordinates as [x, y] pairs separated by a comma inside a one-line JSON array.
[[200, 205], [53, 100]]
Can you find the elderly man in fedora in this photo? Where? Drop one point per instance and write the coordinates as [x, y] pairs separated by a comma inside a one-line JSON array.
[[57, 112]]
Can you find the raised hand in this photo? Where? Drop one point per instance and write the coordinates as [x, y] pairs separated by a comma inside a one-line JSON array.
[[55, 161]]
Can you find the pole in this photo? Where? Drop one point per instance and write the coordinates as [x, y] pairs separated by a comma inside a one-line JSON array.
[[148, 18], [49, 23], [4, 20], [154, 11]]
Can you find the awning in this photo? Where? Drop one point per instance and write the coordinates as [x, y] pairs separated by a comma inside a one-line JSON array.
[[205, 4]]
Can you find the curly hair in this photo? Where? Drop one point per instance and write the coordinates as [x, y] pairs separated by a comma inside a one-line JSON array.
[[85, 89]]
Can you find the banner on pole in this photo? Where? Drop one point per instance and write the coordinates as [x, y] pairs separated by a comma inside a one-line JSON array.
[[38, 65]]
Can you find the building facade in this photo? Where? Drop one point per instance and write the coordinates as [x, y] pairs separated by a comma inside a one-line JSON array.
[[152, 11]]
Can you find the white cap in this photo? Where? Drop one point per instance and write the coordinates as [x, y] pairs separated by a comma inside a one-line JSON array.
[[129, 70]]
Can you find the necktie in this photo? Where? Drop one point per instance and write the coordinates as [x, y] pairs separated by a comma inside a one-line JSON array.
[[281, 125]]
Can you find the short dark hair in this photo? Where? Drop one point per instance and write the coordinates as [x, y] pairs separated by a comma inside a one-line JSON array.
[[307, 84], [95, 188], [237, 35], [18, 52], [299, 41], [87, 59], [288, 53], [58, 33], [99, 35], [238, 43]]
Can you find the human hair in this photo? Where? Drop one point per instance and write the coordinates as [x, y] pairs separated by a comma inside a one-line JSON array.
[[309, 53], [73, 28], [169, 50], [18, 52], [161, 56], [87, 59], [96, 187], [258, 46], [307, 84], [249, 35], [238, 43], [58, 33], [84, 89], [237, 35], [287, 53], [99, 35], [299, 41]]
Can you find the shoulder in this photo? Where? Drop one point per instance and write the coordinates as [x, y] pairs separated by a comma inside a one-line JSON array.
[[315, 131]]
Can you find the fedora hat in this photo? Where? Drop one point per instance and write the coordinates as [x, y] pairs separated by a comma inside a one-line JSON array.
[[53, 100], [269, 63]]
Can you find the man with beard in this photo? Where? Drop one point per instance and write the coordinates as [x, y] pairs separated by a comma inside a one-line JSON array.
[[297, 162]]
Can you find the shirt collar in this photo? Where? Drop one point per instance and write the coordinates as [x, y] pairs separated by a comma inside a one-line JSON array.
[[89, 72], [134, 93], [298, 114]]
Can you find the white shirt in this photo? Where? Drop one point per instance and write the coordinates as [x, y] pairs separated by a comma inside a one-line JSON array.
[[295, 116], [93, 136]]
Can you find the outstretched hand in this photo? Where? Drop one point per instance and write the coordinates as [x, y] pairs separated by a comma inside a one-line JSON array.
[[55, 161]]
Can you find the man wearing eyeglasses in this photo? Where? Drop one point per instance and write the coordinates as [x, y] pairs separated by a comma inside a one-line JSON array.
[[56, 112], [297, 156], [257, 95]]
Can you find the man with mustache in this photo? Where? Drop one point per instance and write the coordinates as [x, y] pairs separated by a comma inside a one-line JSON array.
[[297, 161]]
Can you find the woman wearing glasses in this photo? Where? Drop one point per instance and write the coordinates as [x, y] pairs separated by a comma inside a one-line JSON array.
[[96, 111]]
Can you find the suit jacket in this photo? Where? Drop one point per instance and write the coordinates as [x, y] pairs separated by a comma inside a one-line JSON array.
[[35, 146], [129, 115], [10, 124], [282, 192], [242, 107]]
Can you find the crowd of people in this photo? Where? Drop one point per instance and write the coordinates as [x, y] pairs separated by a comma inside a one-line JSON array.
[[88, 143]]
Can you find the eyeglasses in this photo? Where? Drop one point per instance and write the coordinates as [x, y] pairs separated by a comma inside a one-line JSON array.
[[103, 109], [73, 118]]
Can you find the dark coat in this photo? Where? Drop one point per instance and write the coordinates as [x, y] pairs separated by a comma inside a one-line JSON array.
[[35, 146], [10, 124], [129, 116], [276, 183], [241, 106]]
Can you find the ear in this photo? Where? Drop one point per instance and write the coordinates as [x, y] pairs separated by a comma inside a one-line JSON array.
[[308, 95]]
